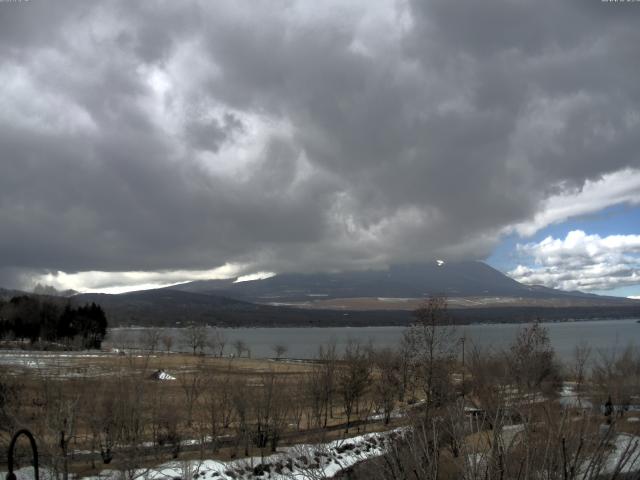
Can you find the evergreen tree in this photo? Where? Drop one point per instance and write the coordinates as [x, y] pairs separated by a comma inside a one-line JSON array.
[[26, 317]]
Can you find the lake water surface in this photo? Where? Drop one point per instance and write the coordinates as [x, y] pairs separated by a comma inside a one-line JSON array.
[[601, 335]]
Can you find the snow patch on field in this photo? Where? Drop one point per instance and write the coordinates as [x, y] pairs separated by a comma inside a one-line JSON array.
[[296, 462], [303, 461], [625, 456], [308, 461], [394, 299], [380, 416], [569, 398]]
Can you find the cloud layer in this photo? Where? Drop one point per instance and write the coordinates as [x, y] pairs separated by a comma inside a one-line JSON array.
[[582, 262], [166, 136]]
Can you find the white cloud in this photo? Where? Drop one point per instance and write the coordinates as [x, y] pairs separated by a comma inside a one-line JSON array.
[[621, 187], [254, 276], [139, 140], [119, 282], [582, 262]]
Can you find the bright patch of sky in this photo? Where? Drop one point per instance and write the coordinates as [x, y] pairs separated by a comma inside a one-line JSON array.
[[597, 253], [120, 282]]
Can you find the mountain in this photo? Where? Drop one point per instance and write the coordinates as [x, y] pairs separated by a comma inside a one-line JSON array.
[[400, 283], [475, 292], [166, 307], [6, 294], [51, 291]]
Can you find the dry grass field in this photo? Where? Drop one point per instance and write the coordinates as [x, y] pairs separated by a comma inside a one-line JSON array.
[[144, 408]]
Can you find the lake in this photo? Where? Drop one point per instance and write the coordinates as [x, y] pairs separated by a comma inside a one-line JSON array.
[[601, 335]]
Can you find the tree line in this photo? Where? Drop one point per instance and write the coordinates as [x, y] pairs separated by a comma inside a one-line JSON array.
[[38, 320]]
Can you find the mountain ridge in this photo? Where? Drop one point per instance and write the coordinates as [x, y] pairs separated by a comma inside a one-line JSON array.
[[450, 279], [476, 292]]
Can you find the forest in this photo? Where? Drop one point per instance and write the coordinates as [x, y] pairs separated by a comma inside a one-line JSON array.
[[48, 324]]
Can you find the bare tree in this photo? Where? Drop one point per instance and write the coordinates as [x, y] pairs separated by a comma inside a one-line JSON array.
[[353, 378], [387, 382], [315, 397], [191, 384], [127, 418], [490, 381], [328, 358], [102, 422], [150, 339], [10, 405], [406, 365], [279, 350], [240, 399], [61, 421], [195, 337], [120, 339], [167, 341], [532, 363], [616, 377], [240, 347], [269, 408], [578, 367], [217, 405], [552, 444], [297, 391], [431, 342], [217, 342]]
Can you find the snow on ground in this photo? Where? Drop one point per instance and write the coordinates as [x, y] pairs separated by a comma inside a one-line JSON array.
[[76, 364], [296, 462], [26, 473], [304, 461], [569, 398], [510, 432], [380, 416], [625, 456], [323, 461]]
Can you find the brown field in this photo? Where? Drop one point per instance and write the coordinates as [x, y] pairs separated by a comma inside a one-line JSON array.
[[411, 304], [86, 395]]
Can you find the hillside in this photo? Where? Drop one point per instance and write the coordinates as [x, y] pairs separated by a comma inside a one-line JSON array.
[[476, 281], [475, 292], [166, 307]]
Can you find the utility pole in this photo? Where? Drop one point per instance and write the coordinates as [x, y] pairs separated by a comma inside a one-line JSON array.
[[462, 340]]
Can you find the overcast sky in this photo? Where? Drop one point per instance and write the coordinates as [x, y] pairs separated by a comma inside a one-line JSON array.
[[144, 143]]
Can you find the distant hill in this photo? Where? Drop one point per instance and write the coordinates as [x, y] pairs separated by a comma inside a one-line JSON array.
[[459, 279], [51, 291], [6, 294], [166, 307], [475, 291]]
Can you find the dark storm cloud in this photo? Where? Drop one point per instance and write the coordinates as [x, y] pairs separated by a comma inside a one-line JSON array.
[[155, 136], [211, 134]]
